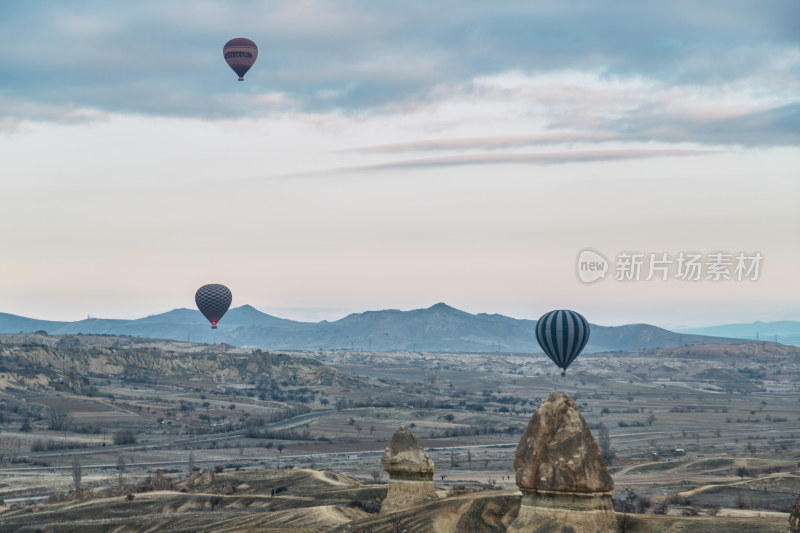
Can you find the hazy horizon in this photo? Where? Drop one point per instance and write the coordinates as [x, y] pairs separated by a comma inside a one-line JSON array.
[[317, 315]]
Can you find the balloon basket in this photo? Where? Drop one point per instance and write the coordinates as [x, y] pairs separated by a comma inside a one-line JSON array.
[[213, 327]]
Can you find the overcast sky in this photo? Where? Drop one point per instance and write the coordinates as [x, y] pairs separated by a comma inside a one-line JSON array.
[[394, 155]]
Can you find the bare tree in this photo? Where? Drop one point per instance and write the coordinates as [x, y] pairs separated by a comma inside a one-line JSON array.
[[280, 448], [396, 522], [124, 436], [120, 468], [604, 441], [214, 501], [77, 471], [60, 418], [742, 501], [72, 377]]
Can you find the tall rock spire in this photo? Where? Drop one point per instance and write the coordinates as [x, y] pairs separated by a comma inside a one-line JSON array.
[[561, 473]]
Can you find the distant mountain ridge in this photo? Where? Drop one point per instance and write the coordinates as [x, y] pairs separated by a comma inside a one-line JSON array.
[[439, 328], [783, 331]]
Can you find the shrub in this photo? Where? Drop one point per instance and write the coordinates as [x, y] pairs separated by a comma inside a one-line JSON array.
[[742, 501], [371, 507], [160, 482], [51, 445], [458, 490], [661, 508], [677, 499]]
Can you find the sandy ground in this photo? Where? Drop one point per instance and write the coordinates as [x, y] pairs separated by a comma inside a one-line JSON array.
[[320, 475], [751, 513]]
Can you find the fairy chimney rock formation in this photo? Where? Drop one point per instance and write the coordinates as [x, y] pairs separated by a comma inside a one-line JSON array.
[[561, 473], [410, 472], [794, 518]]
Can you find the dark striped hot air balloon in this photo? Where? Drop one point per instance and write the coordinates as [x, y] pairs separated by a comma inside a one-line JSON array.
[[240, 54], [213, 301], [562, 335]]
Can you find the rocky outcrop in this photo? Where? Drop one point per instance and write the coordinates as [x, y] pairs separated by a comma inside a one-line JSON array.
[[794, 519], [561, 473], [410, 472]]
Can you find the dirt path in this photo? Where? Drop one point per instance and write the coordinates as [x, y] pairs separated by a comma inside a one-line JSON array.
[[320, 475]]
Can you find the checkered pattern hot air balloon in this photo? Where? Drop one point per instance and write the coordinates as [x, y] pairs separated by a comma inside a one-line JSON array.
[[213, 301], [562, 335]]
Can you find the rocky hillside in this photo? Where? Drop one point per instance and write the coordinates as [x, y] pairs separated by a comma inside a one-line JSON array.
[[50, 361]]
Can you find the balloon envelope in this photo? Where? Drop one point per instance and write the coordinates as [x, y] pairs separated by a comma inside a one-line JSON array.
[[240, 54], [213, 301], [562, 335]]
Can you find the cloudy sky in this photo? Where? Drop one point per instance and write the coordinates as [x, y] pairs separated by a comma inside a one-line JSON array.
[[394, 155]]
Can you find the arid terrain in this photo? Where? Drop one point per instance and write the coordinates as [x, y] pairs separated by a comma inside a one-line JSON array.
[[694, 432]]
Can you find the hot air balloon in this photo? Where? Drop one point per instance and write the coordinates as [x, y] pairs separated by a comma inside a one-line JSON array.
[[240, 54], [562, 335], [213, 301]]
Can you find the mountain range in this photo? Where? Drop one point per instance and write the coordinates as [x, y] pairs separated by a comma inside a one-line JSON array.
[[783, 331], [439, 328]]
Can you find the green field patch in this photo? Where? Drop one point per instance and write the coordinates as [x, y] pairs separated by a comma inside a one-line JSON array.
[[710, 464], [74, 405], [654, 467]]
